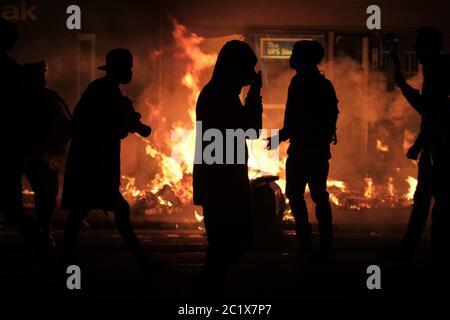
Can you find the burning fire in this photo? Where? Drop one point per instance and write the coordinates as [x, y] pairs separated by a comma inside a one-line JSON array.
[[381, 146], [412, 182], [368, 191], [198, 217], [171, 186]]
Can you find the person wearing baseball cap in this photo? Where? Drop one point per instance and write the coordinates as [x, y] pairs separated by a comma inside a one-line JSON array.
[[119, 65], [101, 119]]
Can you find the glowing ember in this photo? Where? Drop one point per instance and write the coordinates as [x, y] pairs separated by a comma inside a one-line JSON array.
[[27, 191], [368, 191], [381, 146], [337, 184], [198, 217], [130, 189], [391, 189], [334, 199], [412, 182]]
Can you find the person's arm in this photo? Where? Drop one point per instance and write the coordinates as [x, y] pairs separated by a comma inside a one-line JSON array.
[[417, 147], [285, 132], [253, 108], [131, 121], [333, 113], [412, 95]]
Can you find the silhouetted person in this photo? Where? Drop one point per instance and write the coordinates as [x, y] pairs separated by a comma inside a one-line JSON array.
[[419, 150], [223, 190], [422, 199], [48, 144], [433, 104], [102, 117], [15, 130], [310, 125]]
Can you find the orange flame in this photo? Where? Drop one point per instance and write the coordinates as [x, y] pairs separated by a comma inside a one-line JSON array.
[[176, 169], [381, 146]]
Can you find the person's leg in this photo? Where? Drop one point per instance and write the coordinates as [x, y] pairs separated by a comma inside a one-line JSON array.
[[229, 234], [440, 242], [44, 183], [123, 222], [440, 226], [421, 206], [71, 232], [53, 190], [236, 234], [243, 237], [214, 257], [12, 209], [318, 188], [210, 283], [296, 179]]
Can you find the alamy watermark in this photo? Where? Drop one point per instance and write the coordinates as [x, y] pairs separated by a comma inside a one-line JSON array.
[[228, 146], [373, 282]]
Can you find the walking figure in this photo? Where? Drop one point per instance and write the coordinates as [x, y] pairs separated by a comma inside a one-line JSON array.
[[16, 128], [433, 104], [101, 119], [49, 144]]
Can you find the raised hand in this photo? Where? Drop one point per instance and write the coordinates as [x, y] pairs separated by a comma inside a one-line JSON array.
[[398, 78], [255, 87], [395, 60], [413, 152]]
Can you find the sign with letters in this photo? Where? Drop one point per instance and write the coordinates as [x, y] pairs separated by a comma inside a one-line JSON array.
[[281, 48], [20, 11]]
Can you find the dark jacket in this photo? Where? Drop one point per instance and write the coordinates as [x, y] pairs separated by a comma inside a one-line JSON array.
[[92, 175], [433, 104], [310, 116], [53, 130], [14, 117], [224, 185]]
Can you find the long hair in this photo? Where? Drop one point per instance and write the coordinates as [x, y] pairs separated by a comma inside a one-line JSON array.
[[234, 56]]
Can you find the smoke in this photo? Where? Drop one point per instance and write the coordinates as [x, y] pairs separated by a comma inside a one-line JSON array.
[[371, 117], [375, 126]]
